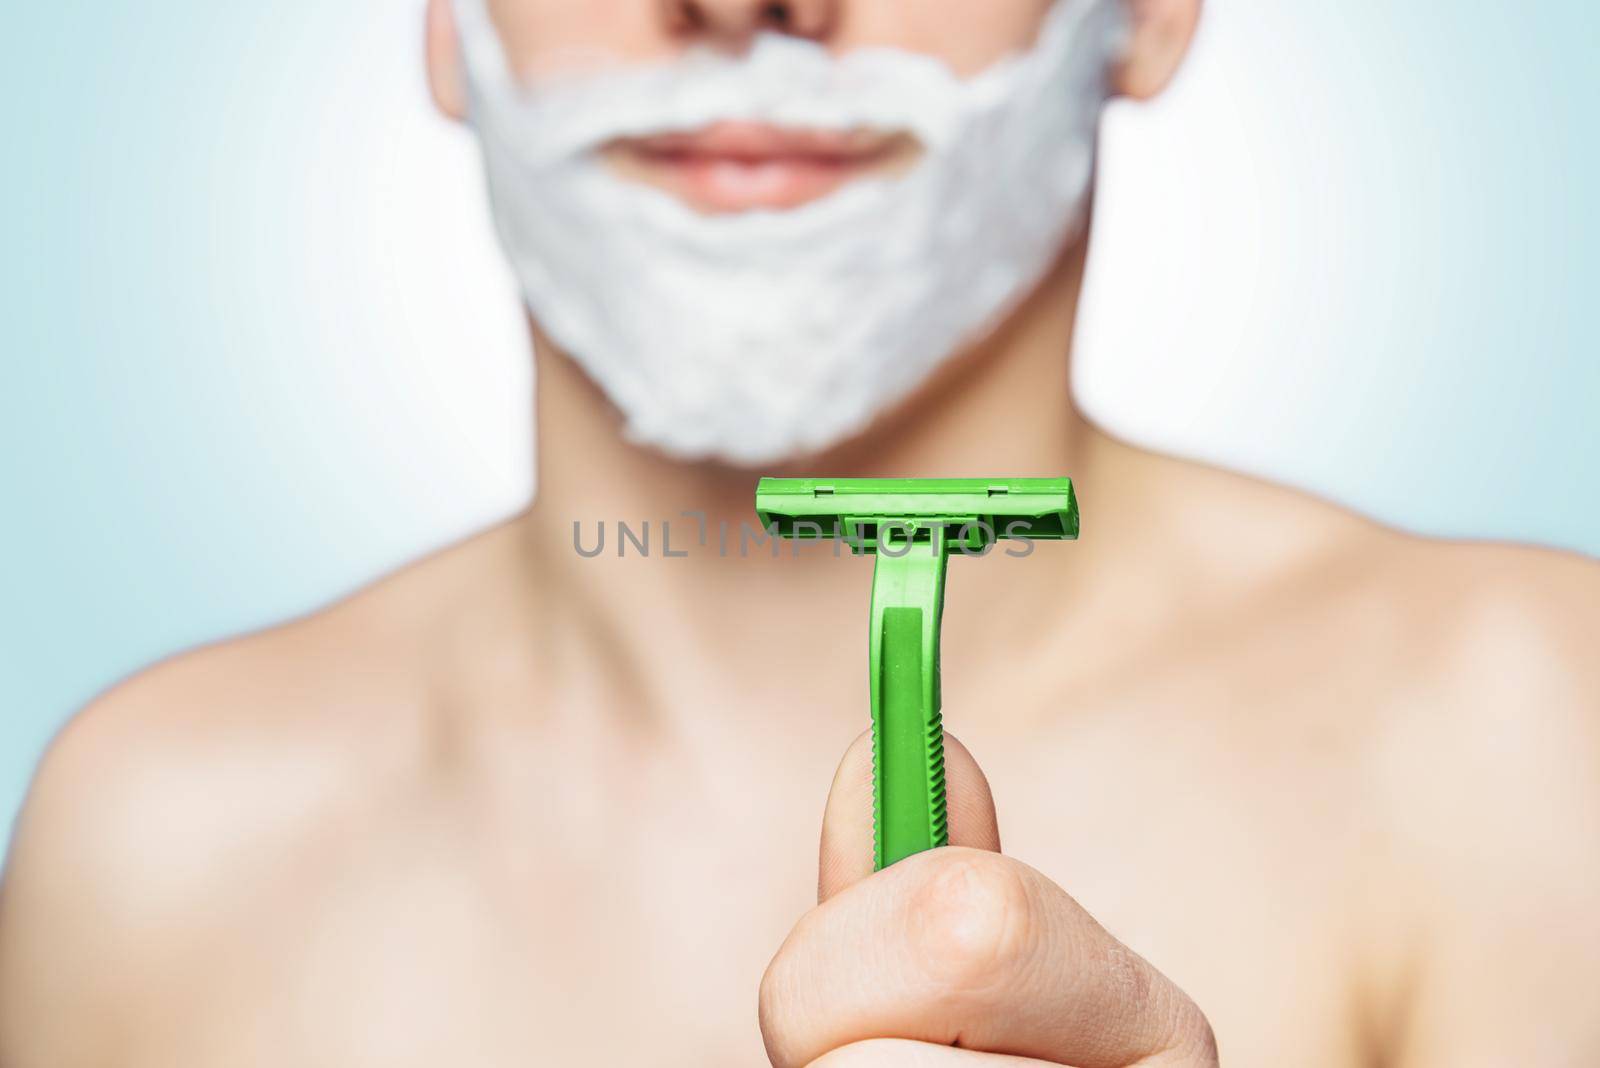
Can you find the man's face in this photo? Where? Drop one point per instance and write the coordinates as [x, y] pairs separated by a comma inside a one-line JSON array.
[[779, 332]]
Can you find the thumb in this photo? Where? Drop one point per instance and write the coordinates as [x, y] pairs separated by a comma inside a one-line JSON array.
[[847, 847]]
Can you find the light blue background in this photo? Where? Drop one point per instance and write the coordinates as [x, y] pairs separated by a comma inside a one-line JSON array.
[[256, 348]]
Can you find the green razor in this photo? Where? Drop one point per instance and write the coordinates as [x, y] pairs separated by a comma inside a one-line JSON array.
[[912, 526]]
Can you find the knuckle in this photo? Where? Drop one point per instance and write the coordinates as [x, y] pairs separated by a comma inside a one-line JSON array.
[[787, 998], [1199, 1041], [772, 996], [1191, 1042], [972, 920], [774, 1002]]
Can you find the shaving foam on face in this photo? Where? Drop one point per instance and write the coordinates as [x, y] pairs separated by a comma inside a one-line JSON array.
[[766, 335]]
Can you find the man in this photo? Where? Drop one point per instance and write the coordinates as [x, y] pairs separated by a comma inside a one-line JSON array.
[[1274, 781]]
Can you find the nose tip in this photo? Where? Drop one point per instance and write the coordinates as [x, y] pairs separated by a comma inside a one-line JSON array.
[[736, 19]]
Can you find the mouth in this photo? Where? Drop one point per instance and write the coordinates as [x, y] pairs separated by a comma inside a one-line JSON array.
[[732, 167]]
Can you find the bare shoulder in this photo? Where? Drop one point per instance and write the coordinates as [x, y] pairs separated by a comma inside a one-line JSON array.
[[199, 780], [1488, 748], [1481, 778], [1496, 717], [1458, 675], [260, 730], [252, 728], [1473, 628], [1487, 616], [1456, 688]]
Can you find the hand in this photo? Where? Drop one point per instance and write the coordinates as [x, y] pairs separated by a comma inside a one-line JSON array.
[[960, 957]]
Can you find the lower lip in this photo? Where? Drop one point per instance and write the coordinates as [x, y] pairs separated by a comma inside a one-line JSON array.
[[725, 184]]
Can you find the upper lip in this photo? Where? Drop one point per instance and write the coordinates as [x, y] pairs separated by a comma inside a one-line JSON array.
[[756, 142], [745, 166]]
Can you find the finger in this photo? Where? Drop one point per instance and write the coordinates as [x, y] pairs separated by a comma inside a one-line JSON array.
[[847, 847], [962, 947], [898, 1053]]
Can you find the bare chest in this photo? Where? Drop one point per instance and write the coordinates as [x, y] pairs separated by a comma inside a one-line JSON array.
[[589, 921]]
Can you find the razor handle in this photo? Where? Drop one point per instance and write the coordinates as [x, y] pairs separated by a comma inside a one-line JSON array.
[[909, 812]]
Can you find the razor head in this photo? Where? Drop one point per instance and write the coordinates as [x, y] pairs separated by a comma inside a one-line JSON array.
[[867, 512]]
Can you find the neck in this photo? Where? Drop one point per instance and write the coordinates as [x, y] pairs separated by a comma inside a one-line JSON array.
[[1003, 409]]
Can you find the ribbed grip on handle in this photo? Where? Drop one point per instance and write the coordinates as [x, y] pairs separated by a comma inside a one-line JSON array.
[[909, 811], [908, 746]]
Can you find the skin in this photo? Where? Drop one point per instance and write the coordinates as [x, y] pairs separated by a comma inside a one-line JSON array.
[[1288, 785]]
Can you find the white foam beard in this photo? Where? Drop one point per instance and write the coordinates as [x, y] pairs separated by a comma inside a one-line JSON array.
[[766, 335]]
